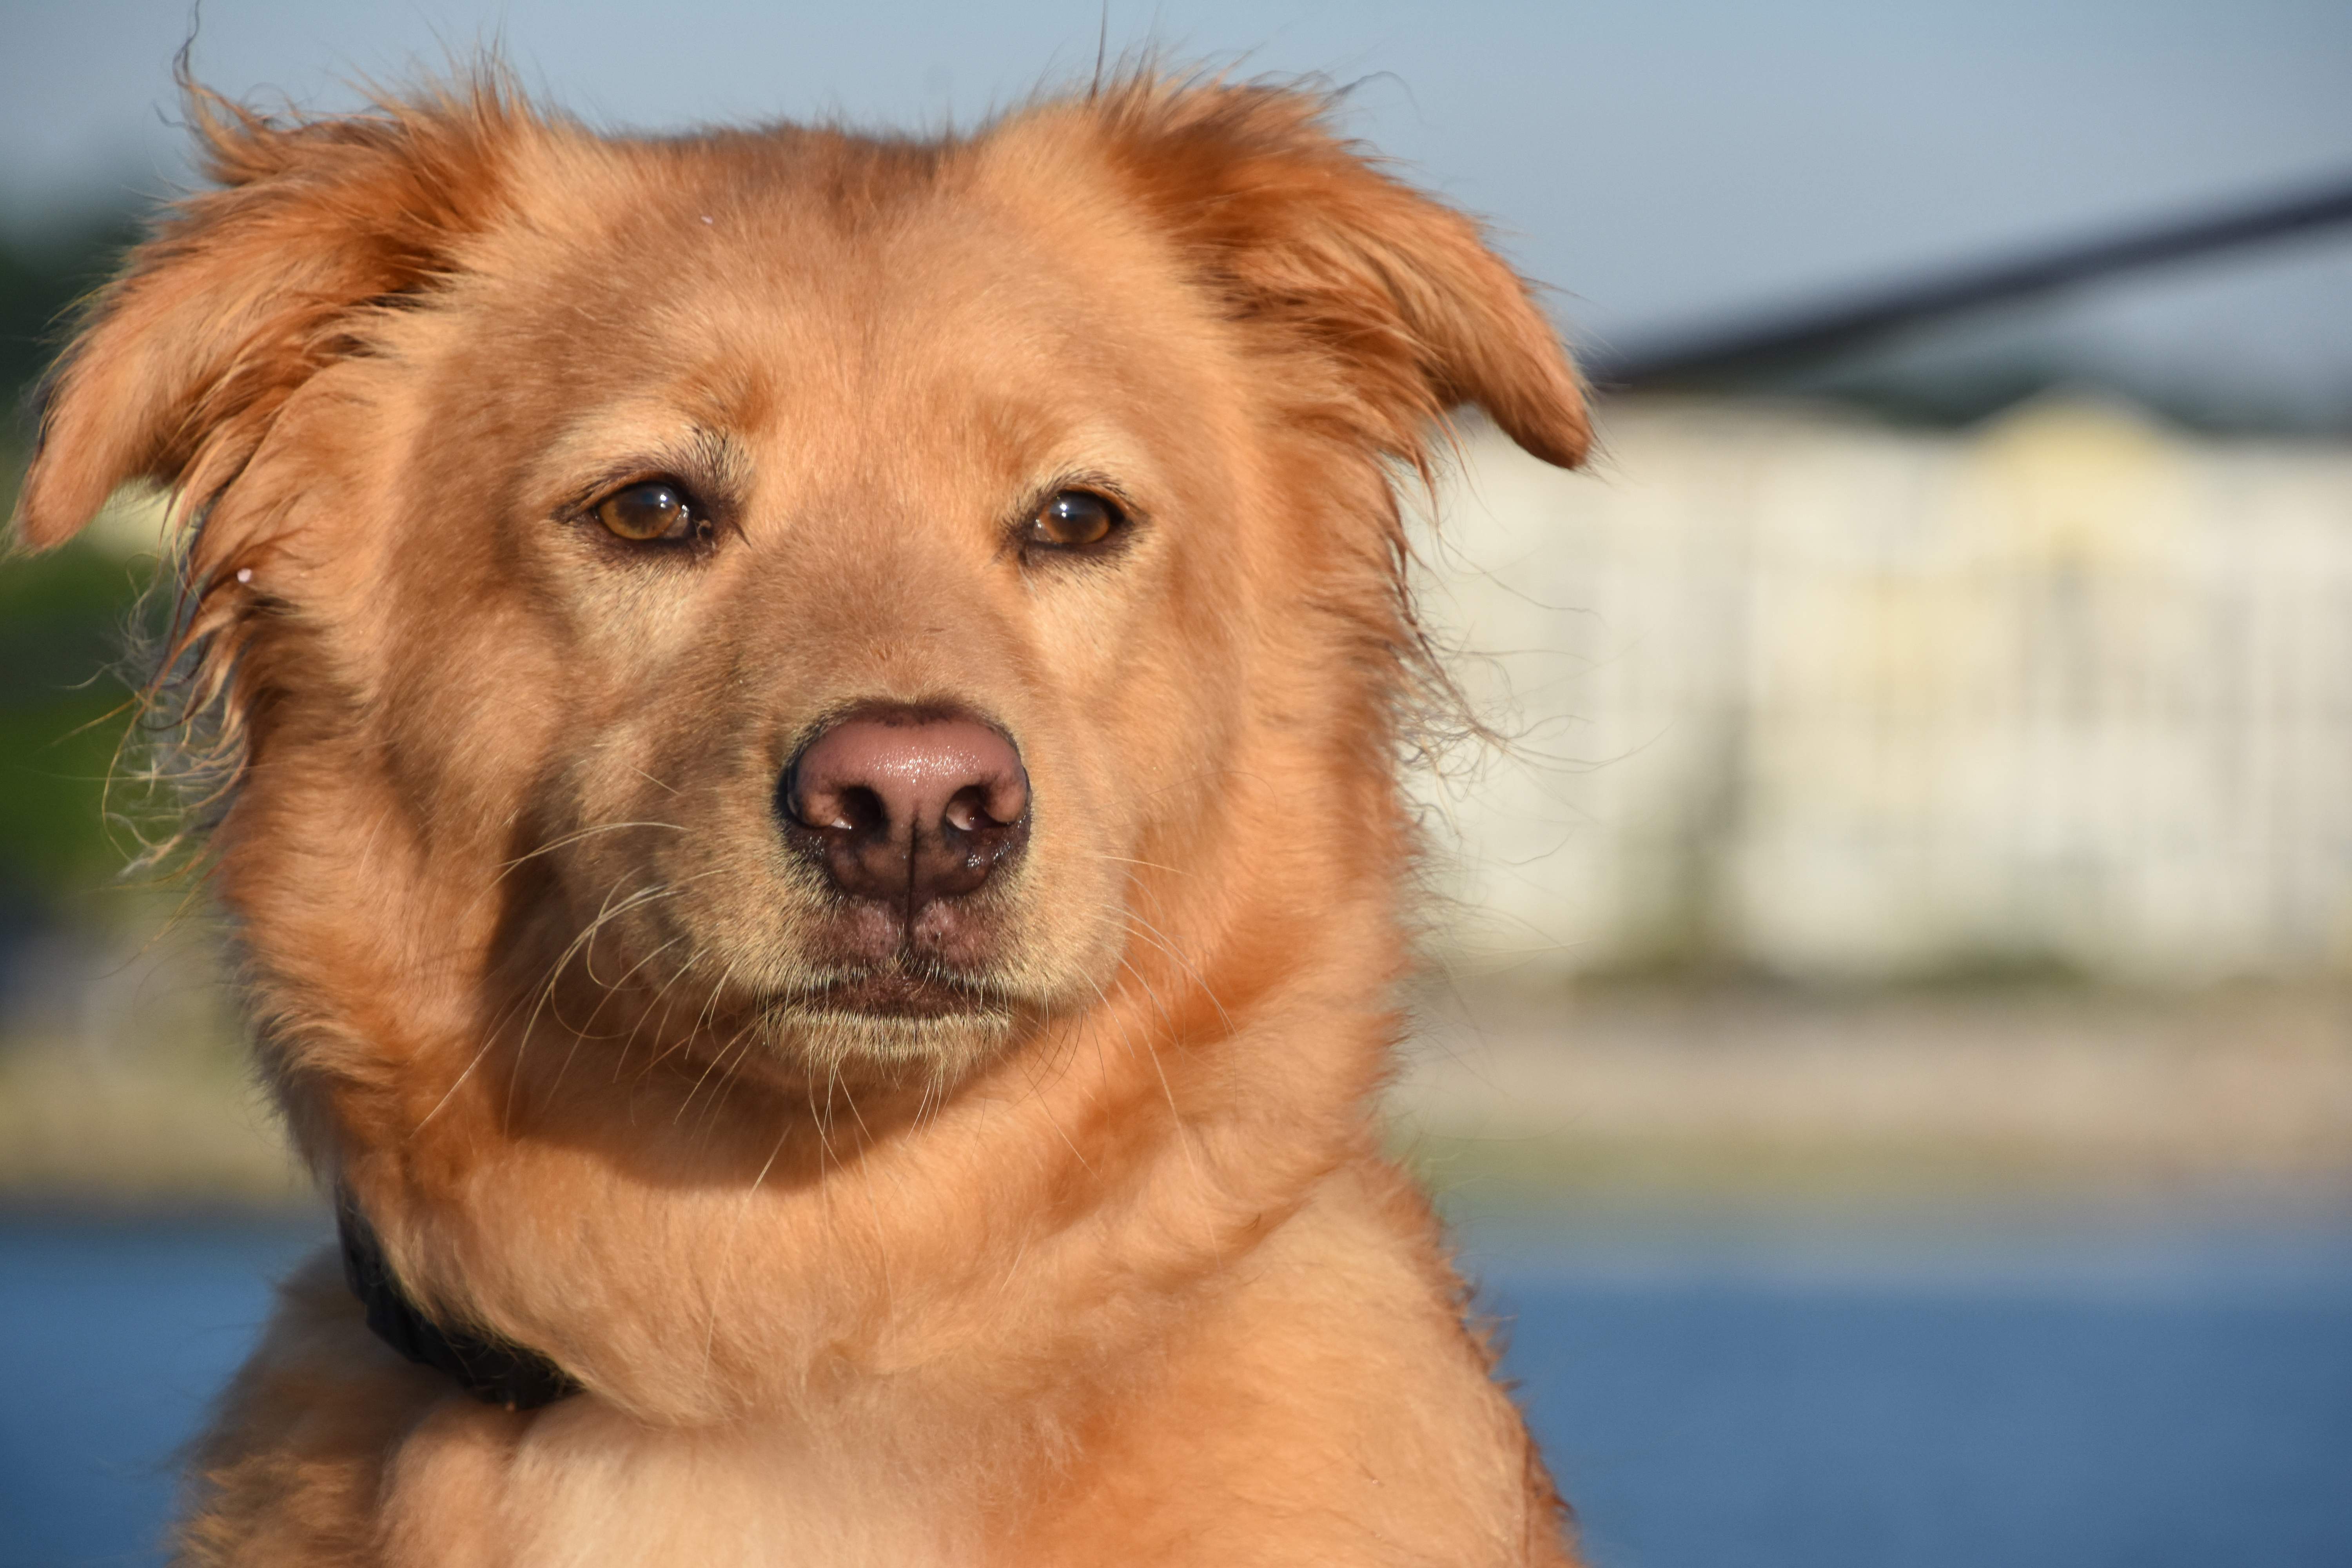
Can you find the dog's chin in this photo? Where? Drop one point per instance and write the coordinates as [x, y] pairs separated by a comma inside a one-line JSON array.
[[892, 1023]]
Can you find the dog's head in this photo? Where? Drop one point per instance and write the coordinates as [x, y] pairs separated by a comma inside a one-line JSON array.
[[820, 598]]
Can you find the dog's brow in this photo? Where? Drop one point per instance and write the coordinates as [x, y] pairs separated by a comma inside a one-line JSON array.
[[718, 454]]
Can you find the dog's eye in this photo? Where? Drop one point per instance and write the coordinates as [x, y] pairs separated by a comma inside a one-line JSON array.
[[1074, 520], [649, 509]]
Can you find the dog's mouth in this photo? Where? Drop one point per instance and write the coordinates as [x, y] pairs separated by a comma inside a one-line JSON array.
[[893, 995]]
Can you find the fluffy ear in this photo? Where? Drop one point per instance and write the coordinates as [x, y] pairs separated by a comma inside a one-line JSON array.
[[1396, 291], [246, 291]]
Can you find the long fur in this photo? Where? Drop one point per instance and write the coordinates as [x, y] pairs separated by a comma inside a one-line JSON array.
[[1116, 1272]]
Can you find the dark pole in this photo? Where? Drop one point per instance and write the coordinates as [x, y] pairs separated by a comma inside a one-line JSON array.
[[1770, 344]]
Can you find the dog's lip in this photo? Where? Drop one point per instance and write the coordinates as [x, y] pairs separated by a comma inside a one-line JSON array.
[[891, 995]]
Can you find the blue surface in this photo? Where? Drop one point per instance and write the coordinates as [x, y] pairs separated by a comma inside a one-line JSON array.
[[1824, 1395], [113, 1340], [2175, 1396]]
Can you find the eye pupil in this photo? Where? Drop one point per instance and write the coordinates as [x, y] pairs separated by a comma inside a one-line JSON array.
[[655, 510], [1073, 519]]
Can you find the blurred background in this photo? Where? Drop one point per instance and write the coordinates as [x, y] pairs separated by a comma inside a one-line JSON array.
[[1889, 1046]]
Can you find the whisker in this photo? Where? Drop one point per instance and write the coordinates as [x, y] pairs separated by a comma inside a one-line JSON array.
[[656, 1004], [576, 836], [544, 992]]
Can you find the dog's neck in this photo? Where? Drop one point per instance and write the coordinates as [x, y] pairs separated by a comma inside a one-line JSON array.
[[690, 1275], [492, 1371]]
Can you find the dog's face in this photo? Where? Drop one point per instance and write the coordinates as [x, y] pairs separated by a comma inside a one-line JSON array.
[[903, 484], [780, 596]]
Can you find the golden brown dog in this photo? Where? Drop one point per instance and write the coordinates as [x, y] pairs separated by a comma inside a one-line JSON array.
[[816, 840]]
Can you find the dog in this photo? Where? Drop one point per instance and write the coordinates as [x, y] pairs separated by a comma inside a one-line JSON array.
[[812, 821]]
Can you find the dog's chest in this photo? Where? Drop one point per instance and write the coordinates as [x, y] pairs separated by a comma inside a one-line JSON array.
[[585, 1487]]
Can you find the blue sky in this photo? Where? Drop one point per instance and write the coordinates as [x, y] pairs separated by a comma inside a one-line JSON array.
[[1660, 162]]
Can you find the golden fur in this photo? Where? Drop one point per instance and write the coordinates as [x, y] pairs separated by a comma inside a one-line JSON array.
[[1112, 1270]]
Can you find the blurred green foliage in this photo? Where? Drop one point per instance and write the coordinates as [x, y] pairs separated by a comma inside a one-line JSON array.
[[41, 277], [63, 714], [63, 616]]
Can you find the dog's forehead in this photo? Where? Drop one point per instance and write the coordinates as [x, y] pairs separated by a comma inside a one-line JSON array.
[[872, 244], [785, 281]]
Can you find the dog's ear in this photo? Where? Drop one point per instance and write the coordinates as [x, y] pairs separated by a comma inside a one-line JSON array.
[[1396, 291], [247, 290]]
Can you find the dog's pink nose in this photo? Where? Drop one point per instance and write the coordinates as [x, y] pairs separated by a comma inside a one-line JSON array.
[[907, 807]]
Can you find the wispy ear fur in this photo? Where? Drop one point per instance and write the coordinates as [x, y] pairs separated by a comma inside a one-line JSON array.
[[181, 365], [1397, 295], [247, 290]]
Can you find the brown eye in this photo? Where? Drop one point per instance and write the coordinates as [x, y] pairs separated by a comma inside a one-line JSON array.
[[1074, 520], [655, 509]]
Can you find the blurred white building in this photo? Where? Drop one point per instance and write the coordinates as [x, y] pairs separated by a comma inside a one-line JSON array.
[[1791, 690]]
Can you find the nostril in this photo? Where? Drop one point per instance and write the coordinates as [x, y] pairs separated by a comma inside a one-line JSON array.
[[830, 805], [862, 811], [852, 809], [968, 809], [994, 803]]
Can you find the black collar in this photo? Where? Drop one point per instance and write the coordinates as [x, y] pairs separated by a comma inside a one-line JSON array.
[[490, 1370]]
